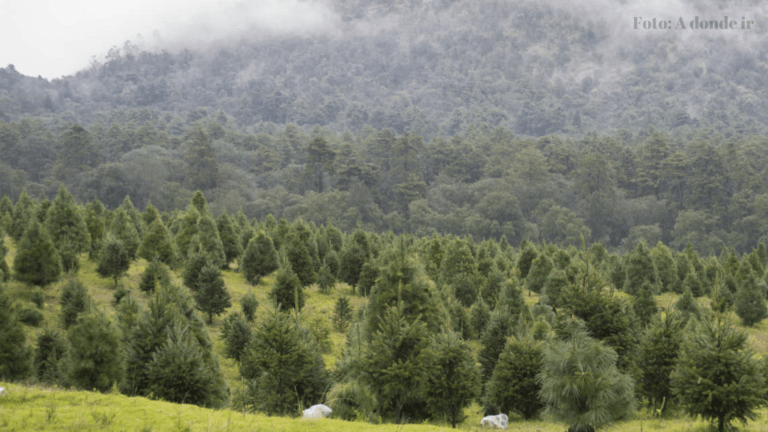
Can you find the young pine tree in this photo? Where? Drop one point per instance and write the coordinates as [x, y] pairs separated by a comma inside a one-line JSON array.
[[249, 304], [211, 296], [66, 224], [124, 230], [195, 265], [15, 356], [74, 301], [283, 366], [236, 333], [657, 357], [513, 385], [452, 380], [717, 376], [230, 239], [640, 270], [180, 373], [114, 260], [157, 243], [95, 357], [581, 385], [155, 273], [50, 350], [259, 259], [288, 292], [644, 304], [342, 314], [537, 276], [749, 302], [37, 261]]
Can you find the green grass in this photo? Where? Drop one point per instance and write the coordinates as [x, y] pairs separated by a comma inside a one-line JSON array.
[[35, 408]]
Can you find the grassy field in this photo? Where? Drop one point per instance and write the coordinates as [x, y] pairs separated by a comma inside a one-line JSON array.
[[33, 408], [36, 408]]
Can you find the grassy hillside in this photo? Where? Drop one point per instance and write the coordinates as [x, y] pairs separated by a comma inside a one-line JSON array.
[[33, 408]]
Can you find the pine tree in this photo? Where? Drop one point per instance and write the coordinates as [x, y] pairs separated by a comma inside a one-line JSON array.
[[50, 350], [368, 275], [717, 376], [6, 207], [665, 266], [157, 243], [236, 333], [114, 259], [500, 326], [644, 304], [133, 215], [458, 263], [513, 385], [581, 385], [556, 282], [208, 241], [193, 269], [229, 238], [15, 356], [149, 215], [5, 272], [687, 306], [657, 357], [393, 363], [187, 231], [537, 276], [37, 262], [249, 304], [528, 253], [640, 269], [342, 314], [94, 353], [479, 315], [22, 214], [283, 366], [452, 379], [200, 204], [170, 306], [94, 219], [298, 255], [156, 272], [211, 295], [288, 292], [180, 373], [74, 301], [749, 302], [403, 282], [325, 280], [123, 229], [607, 318], [66, 224], [351, 264], [259, 259]]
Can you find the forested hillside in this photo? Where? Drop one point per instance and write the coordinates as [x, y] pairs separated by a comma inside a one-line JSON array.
[[435, 68]]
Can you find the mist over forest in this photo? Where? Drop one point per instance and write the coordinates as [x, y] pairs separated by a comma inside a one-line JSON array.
[[428, 112]]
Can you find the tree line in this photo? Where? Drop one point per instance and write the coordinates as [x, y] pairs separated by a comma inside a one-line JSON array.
[[700, 188], [407, 354]]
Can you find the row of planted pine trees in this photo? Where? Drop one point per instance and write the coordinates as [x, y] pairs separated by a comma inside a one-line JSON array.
[[445, 321]]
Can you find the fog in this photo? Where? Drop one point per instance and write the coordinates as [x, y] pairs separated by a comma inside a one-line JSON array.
[[52, 38]]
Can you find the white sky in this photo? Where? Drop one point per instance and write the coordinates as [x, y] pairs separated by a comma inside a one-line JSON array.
[[52, 38]]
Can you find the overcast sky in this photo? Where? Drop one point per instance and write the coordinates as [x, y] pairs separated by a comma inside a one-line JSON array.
[[52, 38]]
